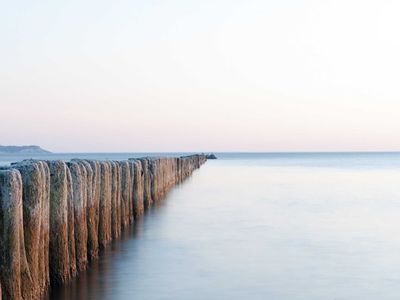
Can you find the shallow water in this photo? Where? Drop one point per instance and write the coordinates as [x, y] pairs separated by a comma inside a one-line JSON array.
[[263, 226]]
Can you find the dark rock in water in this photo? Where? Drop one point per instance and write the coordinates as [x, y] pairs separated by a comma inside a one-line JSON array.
[[211, 156]]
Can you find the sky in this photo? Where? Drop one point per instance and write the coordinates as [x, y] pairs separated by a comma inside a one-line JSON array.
[[210, 75]]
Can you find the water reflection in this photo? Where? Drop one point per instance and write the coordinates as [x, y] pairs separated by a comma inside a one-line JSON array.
[[243, 229], [92, 283]]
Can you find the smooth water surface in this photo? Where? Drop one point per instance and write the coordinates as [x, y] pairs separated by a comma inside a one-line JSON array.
[[263, 226]]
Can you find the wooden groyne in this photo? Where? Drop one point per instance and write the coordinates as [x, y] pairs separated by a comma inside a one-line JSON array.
[[55, 216]]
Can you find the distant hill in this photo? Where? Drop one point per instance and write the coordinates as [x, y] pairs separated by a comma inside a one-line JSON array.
[[31, 149]]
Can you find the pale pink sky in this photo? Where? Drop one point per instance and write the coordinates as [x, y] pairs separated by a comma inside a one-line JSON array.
[[201, 75]]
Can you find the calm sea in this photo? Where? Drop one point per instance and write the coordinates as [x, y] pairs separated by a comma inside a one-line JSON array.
[[262, 226]]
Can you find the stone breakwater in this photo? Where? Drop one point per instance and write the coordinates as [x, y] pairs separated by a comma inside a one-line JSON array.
[[55, 216]]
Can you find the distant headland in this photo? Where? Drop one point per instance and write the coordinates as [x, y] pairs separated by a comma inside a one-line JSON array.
[[30, 149]]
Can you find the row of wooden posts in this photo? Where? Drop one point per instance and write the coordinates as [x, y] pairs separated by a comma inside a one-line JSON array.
[[55, 216]]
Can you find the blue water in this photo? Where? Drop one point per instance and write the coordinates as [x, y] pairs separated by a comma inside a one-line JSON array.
[[263, 226]]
